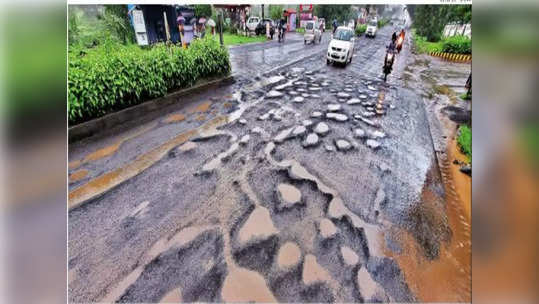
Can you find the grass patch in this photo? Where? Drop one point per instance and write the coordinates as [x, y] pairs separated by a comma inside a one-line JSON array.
[[360, 29], [529, 141], [455, 44], [300, 30], [424, 46], [233, 39], [465, 96], [464, 141], [382, 22]]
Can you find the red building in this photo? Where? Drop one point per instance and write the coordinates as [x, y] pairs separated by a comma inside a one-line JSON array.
[[305, 14], [290, 15]]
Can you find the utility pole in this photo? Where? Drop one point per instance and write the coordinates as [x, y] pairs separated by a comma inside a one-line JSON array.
[[262, 11], [221, 28]]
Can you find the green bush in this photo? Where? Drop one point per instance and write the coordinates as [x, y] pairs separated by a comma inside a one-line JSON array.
[[360, 29], [300, 30], [464, 141], [424, 46], [382, 22], [114, 76], [457, 45]]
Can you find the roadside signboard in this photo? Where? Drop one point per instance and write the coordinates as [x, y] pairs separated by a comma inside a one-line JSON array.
[[140, 27]]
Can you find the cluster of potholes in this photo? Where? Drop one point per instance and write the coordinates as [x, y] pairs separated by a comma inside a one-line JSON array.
[[294, 241], [358, 102], [298, 243]]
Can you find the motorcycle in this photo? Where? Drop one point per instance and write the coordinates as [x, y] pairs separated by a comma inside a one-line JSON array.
[[388, 63], [400, 42]]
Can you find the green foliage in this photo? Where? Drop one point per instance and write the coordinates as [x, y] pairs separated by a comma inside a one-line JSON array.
[[429, 20], [342, 13], [424, 46], [464, 141], [117, 22], [234, 39], [113, 76], [382, 22], [300, 30], [88, 31], [276, 11], [457, 45], [73, 32], [360, 29], [203, 10]]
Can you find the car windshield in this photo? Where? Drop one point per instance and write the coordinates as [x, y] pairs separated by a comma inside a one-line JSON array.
[[309, 26], [341, 34], [373, 23]]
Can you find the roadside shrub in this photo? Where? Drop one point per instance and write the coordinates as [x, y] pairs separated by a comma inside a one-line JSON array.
[[360, 29], [457, 45], [464, 141], [112, 76], [300, 30], [382, 22], [424, 46]]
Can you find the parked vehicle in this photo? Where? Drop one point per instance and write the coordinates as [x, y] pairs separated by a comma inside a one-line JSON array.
[[312, 32], [372, 28], [252, 22], [351, 24], [261, 27], [322, 24], [341, 46]]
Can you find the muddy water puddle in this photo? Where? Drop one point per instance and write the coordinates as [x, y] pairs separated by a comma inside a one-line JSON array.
[[110, 149], [174, 118], [107, 181], [437, 264], [201, 108], [78, 175], [462, 182]]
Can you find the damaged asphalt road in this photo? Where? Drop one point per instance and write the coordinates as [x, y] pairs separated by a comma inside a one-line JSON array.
[[305, 186]]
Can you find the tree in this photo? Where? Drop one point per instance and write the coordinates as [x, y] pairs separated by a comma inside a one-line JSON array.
[[117, 22], [276, 11], [203, 10], [329, 12], [430, 20]]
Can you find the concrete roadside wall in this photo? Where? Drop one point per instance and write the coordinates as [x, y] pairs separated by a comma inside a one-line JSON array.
[[454, 29]]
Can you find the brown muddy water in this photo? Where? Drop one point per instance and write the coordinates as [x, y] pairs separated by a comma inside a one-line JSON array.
[[77, 175], [174, 118], [437, 274], [462, 182], [113, 178]]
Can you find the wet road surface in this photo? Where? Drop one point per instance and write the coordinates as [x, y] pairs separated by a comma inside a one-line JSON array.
[[315, 184]]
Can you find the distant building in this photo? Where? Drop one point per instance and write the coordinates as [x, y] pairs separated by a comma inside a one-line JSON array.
[[305, 14]]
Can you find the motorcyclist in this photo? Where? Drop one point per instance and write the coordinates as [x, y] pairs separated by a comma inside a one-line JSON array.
[[281, 27], [392, 46], [402, 34], [400, 40]]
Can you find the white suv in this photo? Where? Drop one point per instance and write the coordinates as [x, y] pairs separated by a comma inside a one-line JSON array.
[[341, 47], [252, 22]]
